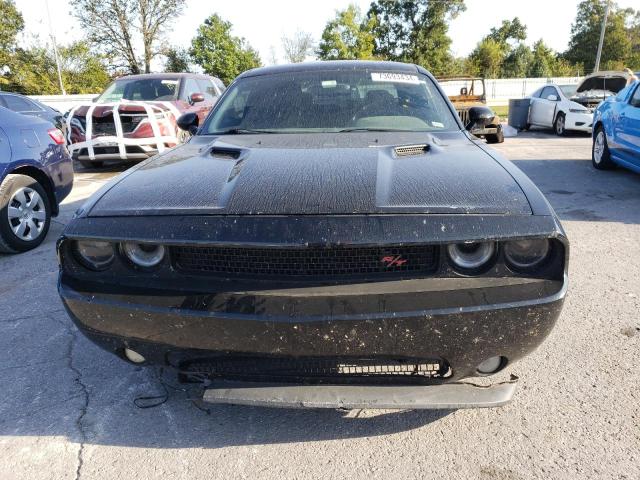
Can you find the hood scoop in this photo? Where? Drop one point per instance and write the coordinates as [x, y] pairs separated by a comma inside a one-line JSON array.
[[225, 153], [411, 150]]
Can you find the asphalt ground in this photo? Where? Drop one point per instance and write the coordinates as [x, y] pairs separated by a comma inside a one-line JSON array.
[[67, 411]]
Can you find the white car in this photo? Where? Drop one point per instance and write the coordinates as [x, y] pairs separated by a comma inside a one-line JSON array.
[[551, 107]]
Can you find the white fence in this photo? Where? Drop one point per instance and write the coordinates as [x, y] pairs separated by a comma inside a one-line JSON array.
[[499, 91], [64, 103]]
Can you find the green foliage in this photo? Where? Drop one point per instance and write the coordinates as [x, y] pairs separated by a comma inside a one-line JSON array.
[[516, 63], [221, 54], [415, 31], [510, 30], [176, 60], [11, 23], [33, 71], [585, 35], [347, 37], [487, 57]]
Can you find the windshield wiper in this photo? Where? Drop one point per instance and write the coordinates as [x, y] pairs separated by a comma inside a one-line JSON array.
[[364, 129], [241, 131]]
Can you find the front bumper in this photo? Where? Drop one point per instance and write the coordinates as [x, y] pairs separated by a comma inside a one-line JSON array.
[[174, 330], [582, 122]]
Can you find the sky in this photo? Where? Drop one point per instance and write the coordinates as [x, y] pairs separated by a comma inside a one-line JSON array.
[[264, 23]]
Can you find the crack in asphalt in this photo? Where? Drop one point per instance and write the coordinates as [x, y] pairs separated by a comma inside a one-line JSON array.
[[84, 393]]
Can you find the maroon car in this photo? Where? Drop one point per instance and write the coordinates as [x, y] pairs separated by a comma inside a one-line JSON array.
[[135, 117]]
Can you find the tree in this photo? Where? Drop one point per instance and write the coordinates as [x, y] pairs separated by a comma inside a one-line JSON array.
[[33, 71], [415, 31], [516, 63], [349, 36], [487, 58], [118, 28], [510, 30], [177, 60], [585, 35], [298, 47], [221, 54], [542, 62], [11, 23]]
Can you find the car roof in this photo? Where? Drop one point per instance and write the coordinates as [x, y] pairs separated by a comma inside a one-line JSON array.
[[340, 65], [164, 76]]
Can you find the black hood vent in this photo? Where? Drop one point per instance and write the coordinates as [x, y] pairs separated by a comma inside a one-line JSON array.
[[411, 150], [226, 153]]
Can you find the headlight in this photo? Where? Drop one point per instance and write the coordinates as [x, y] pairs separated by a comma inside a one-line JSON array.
[[526, 253], [578, 110], [94, 254], [142, 254], [471, 256]]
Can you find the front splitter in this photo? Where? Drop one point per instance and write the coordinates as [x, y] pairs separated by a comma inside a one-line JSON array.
[[444, 396]]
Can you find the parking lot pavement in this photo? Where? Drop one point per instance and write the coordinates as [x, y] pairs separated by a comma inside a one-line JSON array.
[[66, 406]]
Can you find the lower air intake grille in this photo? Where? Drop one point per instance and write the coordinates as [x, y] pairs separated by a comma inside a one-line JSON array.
[[316, 368], [334, 261]]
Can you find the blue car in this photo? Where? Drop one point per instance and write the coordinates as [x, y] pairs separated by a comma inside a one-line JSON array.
[[36, 174], [616, 131]]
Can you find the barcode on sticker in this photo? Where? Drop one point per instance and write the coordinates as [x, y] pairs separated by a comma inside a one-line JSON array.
[[394, 77]]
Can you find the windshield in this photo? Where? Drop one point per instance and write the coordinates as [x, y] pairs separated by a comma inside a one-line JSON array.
[[331, 101], [145, 89], [568, 90]]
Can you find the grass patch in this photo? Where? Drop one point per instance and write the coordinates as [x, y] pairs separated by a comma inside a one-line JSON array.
[[502, 110]]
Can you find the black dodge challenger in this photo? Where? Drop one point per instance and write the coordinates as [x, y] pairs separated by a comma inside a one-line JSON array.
[[330, 236]]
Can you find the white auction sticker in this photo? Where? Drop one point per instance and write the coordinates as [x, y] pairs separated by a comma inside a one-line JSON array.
[[394, 77]]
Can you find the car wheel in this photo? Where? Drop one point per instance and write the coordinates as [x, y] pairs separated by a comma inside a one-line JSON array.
[[559, 124], [600, 155], [25, 214], [89, 164], [497, 137]]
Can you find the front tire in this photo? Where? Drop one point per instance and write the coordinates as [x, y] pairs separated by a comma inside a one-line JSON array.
[[559, 125], [25, 214], [600, 154], [497, 137]]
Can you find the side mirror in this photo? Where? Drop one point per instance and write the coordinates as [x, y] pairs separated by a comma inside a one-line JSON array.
[[552, 98], [188, 122], [479, 117], [196, 97]]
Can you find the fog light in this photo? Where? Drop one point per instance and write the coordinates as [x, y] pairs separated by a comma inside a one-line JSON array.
[[491, 365], [133, 356]]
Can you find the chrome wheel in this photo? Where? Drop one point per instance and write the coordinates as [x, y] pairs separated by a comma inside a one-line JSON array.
[[560, 125], [27, 214], [598, 147]]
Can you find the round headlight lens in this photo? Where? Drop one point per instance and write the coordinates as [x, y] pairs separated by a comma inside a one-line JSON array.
[[142, 254], [471, 256], [526, 253], [95, 254]]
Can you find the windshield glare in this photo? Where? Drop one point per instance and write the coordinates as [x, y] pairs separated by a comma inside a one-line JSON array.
[[144, 90], [568, 90], [332, 101]]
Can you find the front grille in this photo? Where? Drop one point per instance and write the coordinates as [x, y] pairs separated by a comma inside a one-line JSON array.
[[334, 261], [464, 116], [310, 368], [106, 126]]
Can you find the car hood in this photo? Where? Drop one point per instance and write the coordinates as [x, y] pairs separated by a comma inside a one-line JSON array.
[[319, 174]]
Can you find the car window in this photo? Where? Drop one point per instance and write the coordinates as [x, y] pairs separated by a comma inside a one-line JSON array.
[[635, 99], [208, 89], [330, 101], [140, 89], [20, 104], [190, 86], [548, 91], [219, 84]]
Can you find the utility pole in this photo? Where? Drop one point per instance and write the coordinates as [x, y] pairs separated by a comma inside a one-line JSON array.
[[55, 49], [604, 27]]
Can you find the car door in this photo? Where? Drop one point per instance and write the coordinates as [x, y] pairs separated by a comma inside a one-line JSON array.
[[543, 108], [189, 87], [628, 130]]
